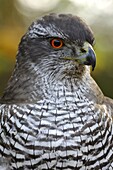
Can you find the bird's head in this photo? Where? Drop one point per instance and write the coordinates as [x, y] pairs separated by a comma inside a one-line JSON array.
[[59, 43], [55, 48]]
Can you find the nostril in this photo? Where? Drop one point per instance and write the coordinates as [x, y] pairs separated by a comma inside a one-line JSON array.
[[83, 50]]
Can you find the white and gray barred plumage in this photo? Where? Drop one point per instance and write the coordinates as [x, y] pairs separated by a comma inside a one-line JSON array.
[[53, 116]]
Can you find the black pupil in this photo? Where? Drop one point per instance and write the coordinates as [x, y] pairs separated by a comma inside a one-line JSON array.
[[57, 43]]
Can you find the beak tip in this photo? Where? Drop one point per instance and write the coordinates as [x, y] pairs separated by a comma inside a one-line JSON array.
[[93, 68], [93, 65]]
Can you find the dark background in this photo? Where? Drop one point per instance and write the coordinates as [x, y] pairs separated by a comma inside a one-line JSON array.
[[17, 15]]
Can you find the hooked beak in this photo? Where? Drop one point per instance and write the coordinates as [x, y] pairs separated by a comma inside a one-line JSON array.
[[88, 58]]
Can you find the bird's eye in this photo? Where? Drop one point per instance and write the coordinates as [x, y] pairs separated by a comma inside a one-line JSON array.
[[56, 43]]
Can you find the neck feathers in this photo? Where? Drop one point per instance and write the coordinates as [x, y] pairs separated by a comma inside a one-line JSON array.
[[30, 83]]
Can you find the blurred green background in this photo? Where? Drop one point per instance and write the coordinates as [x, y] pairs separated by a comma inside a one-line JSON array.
[[17, 15]]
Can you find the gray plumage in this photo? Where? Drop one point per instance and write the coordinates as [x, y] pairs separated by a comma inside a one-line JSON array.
[[53, 115]]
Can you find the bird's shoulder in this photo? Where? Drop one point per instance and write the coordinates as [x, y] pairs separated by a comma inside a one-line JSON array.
[[109, 104]]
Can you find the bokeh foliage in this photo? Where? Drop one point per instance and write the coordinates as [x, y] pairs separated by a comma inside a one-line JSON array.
[[16, 17]]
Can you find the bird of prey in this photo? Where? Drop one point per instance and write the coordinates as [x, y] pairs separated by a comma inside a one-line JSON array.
[[53, 116]]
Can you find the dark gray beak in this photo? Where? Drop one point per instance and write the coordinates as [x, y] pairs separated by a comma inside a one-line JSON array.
[[90, 58]]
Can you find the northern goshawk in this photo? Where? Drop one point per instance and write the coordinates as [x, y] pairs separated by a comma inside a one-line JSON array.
[[53, 115]]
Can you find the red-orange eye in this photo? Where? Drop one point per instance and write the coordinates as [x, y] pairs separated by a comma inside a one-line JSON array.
[[56, 43]]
